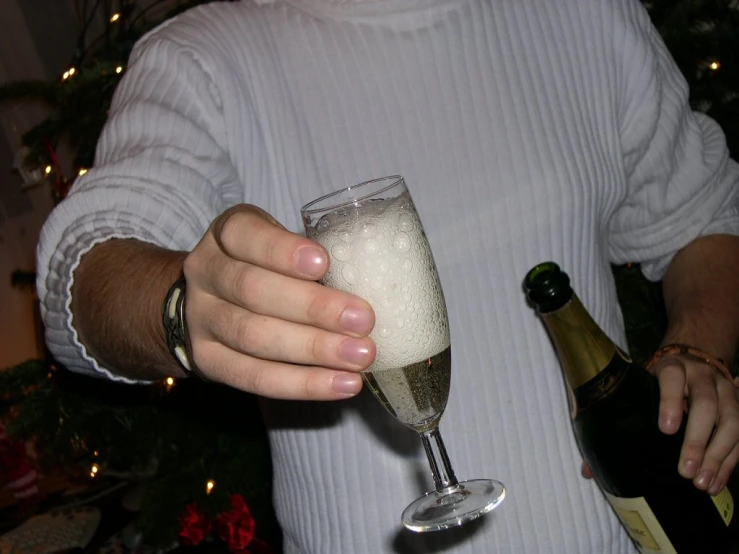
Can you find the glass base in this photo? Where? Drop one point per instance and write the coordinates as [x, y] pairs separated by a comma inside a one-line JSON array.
[[453, 506]]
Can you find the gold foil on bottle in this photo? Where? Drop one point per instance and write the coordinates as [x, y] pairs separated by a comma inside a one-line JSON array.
[[583, 349]]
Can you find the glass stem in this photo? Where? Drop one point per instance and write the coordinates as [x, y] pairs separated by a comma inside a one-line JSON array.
[[441, 467]]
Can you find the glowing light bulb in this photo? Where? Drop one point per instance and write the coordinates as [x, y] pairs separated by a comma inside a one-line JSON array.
[[115, 17], [119, 69], [714, 66], [82, 171], [94, 470], [209, 486], [71, 71], [65, 75], [170, 381], [48, 169]]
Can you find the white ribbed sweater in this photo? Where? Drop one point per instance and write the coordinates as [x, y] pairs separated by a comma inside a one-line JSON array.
[[527, 130]]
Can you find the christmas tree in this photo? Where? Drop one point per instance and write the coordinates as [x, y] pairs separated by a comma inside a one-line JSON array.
[[195, 444], [200, 448]]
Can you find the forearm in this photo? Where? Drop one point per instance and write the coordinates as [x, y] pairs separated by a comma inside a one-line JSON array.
[[117, 297], [701, 294]]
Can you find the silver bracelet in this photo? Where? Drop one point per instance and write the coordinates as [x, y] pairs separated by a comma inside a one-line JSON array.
[[175, 327]]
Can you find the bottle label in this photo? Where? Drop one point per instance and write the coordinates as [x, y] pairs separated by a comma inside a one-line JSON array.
[[641, 524], [725, 505]]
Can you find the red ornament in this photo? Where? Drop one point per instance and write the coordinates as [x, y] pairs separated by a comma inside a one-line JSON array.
[[17, 473], [236, 526], [194, 526], [62, 185]]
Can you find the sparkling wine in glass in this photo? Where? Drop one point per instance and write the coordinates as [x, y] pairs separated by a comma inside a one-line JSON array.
[[379, 252]]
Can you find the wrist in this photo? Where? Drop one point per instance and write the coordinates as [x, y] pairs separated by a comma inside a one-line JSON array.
[[691, 352], [117, 295], [703, 331]]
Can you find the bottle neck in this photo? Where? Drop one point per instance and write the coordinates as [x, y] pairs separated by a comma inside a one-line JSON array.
[[584, 350]]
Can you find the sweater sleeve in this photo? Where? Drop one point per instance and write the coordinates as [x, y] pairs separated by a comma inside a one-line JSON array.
[[681, 183], [161, 175]]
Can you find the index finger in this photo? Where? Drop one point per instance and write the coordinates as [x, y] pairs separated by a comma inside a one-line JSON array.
[[672, 380], [249, 234]]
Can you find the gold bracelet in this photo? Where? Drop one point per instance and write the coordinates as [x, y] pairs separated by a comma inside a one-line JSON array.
[[677, 349]]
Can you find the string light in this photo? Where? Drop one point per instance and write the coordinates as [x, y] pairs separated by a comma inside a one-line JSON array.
[[82, 171], [714, 66], [119, 69], [48, 169], [94, 470], [115, 17], [209, 486]]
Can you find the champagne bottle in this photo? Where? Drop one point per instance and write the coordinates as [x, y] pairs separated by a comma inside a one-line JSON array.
[[614, 406]]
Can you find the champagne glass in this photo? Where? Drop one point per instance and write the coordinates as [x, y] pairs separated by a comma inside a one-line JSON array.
[[379, 252]]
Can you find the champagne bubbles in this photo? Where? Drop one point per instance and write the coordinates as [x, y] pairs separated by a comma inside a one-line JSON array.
[[380, 253], [406, 223], [402, 242], [350, 274], [341, 251], [375, 282], [372, 247], [368, 231]]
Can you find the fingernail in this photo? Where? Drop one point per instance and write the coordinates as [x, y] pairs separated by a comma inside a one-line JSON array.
[[357, 320], [668, 423], [356, 352], [311, 261], [347, 384], [704, 479], [689, 468], [715, 487]]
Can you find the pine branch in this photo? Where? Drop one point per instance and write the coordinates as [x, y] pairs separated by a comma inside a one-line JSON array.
[[29, 90], [23, 279]]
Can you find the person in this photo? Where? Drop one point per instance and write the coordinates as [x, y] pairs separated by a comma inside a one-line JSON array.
[[526, 130]]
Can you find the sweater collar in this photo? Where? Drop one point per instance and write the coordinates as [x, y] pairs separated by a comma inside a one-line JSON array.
[[368, 9]]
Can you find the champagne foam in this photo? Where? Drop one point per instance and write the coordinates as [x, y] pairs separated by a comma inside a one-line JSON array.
[[380, 253]]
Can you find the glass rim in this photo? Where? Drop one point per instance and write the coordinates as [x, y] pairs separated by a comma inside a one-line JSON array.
[[307, 210]]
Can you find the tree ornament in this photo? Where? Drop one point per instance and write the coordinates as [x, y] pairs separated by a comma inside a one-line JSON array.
[[32, 174]]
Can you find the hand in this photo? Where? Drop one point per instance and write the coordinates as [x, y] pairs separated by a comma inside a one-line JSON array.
[[711, 447], [259, 322]]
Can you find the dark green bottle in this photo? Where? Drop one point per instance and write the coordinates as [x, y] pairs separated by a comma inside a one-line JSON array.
[[614, 406]]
